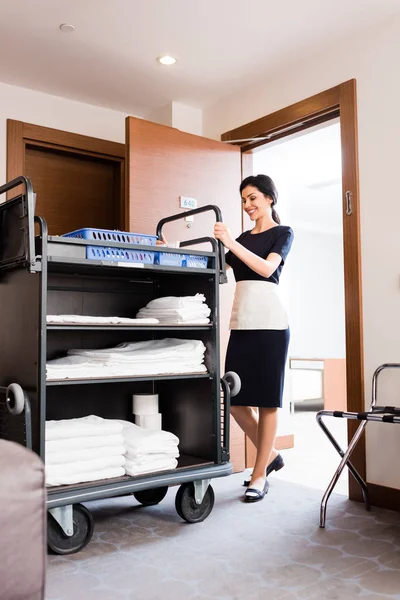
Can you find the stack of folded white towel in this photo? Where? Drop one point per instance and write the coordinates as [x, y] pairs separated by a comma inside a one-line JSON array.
[[177, 310], [91, 448], [153, 357], [84, 449], [148, 451]]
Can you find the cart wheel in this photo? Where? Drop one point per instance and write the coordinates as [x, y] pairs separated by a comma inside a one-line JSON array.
[[59, 543], [15, 399], [186, 505], [233, 380], [151, 497]]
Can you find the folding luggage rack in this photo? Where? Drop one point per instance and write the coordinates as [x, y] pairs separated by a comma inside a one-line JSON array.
[[41, 275]]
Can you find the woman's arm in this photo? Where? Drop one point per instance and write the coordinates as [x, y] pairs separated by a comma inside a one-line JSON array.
[[264, 267]]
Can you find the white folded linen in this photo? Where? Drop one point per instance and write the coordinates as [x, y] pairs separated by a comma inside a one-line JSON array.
[[71, 456], [177, 301], [86, 370], [89, 320], [85, 466], [176, 315], [152, 357], [144, 459], [133, 469], [83, 443], [80, 427], [139, 440], [110, 473]]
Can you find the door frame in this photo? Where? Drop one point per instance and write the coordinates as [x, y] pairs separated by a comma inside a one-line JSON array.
[[339, 101], [20, 135]]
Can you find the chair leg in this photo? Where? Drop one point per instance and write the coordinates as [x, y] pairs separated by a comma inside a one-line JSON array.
[[342, 464]]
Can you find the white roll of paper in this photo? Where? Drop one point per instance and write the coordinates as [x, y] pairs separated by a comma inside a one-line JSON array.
[[145, 404], [152, 422]]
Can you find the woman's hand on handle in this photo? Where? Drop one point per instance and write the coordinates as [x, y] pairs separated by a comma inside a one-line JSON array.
[[222, 233]]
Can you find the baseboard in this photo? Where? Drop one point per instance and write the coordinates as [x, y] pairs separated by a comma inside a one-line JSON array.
[[384, 497]]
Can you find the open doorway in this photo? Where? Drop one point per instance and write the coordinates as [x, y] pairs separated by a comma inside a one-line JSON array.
[[307, 170]]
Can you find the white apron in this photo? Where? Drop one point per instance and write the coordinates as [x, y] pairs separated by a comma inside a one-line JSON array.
[[258, 305]]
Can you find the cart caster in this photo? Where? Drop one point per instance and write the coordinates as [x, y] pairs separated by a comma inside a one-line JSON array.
[[151, 497], [187, 507], [233, 380], [15, 399], [82, 526]]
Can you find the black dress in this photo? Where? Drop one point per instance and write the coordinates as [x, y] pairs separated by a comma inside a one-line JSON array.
[[259, 339]]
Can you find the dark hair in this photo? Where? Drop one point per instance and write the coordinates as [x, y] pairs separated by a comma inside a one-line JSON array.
[[266, 186]]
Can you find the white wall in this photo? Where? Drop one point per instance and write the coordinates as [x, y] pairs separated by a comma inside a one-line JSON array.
[[50, 111], [372, 58]]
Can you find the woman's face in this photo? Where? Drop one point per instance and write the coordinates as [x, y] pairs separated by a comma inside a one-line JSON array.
[[255, 204]]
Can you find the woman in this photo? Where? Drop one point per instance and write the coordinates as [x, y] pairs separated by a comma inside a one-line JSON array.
[[259, 338]]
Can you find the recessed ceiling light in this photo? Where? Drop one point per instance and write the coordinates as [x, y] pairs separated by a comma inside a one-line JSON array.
[[67, 28], [167, 59]]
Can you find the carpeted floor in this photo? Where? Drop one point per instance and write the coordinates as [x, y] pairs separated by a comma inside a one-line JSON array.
[[266, 551]]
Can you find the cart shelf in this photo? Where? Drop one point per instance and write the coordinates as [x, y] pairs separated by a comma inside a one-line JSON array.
[[62, 382], [144, 327]]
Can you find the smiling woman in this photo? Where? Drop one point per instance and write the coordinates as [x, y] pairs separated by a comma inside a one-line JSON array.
[[259, 339]]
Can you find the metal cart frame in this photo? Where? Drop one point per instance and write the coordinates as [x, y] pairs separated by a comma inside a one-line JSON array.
[[378, 414], [30, 268]]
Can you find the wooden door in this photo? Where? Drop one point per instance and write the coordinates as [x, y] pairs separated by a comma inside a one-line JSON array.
[[79, 181], [163, 164], [72, 191]]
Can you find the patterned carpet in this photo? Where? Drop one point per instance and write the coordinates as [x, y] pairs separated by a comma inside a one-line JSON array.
[[272, 550]]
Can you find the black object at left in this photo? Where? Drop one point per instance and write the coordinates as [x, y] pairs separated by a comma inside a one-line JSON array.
[[17, 243]]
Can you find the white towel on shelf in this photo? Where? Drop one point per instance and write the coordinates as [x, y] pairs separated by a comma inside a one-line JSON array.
[[138, 440], [110, 473], [176, 315], [80, 427], [151, 466], [87, 454], [90, 320], [143, 459], [152, 357], [86, 466], [177, 301], [83, 443]]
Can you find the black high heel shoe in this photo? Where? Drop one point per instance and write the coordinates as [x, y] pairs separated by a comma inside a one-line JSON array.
[[276, 465]]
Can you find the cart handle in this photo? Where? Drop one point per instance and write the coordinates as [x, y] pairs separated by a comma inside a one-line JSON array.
[[30, 201], [25, 181], [221, 253], [227, 409]]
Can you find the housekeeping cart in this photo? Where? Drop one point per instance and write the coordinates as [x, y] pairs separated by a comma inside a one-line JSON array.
[[42, 275]]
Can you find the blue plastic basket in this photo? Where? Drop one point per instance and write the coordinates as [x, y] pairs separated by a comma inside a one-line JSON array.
[[104, 235], [119, 254], [194, 261], [168, 259]]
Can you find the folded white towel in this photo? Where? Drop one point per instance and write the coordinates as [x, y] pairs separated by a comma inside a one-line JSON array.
[[72, 456], [71, 479], [176, 315], [143, 450], [85, 466], [83, 443], [134, 469], [152, 357], [137, 439], [144, 459], [177, 301], [89, 320], [81, 427]]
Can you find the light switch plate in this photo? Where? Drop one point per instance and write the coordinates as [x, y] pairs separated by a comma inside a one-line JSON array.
[[189, 203]]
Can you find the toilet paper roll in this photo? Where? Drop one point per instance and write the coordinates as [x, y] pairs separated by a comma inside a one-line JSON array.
[[145, 404], [152, 422]]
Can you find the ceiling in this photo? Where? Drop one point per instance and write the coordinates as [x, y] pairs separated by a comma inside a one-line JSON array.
[[221, 45]]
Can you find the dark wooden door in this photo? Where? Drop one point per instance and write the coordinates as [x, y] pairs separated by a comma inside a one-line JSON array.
[[72, 191]]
